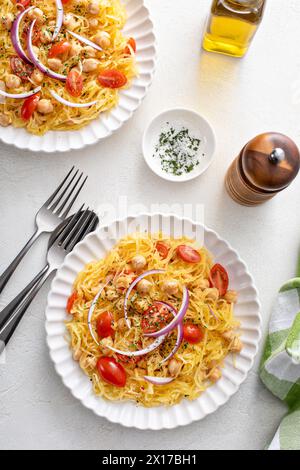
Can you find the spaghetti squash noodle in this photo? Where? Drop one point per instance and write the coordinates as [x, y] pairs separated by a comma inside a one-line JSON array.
[[159, 270], [76, 68]]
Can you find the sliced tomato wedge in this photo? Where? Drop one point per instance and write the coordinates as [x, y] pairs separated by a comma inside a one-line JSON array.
[[104, 325], [29, 106], [192, 333], [163, 249], [111, 371], [188, 254], [59, 48], [130, 44], [71, 300], [219, 278], [21, 69], [36, 35], [155, 318], [64, 2], [74, 83], [112, 79]]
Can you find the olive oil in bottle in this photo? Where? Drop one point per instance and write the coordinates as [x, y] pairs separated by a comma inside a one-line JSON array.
[[232, 25]]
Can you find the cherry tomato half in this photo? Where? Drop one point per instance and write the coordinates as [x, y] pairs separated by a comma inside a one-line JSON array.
[[24, 3], [111, 371], [188, 254], [163, 249], [29, 106], [192, 333], [64, 2], [21, 69], [74, 83], [219, 278], [131, 44], [155, 318], [71, 301], [59, 48], [112, 79], [104, 325]]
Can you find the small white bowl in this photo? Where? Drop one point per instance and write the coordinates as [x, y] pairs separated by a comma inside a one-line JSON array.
[[179, 118]]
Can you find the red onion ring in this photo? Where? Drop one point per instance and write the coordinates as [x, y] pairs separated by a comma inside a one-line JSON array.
[[15, 38], [85, 40], [140, 352], [176, 320], [36, 61], [70, 103], [179, 331], [59, 19], [20, 95], [158, 380], [132, 285]]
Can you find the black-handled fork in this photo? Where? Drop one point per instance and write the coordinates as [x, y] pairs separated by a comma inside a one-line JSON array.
[[49, 216], [63, 241]]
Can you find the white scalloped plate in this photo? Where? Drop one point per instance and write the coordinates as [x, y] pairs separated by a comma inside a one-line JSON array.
[[139, 26], [95, 246]]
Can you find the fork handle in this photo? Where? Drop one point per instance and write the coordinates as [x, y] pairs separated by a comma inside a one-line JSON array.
[[16, 314], [9, 310], [6, 275]]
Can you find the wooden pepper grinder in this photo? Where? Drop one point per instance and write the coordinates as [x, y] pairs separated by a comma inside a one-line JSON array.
[[264, 167]]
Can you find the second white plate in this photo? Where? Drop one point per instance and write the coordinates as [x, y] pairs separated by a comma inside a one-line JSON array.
[[139, 26]]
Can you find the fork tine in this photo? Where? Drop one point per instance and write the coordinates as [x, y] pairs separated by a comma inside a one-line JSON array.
[[67, 210], [89, 227], [57, 201], [69, 226], [75, 233], [51, 198]]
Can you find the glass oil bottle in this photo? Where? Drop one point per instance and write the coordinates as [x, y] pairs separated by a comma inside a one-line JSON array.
[[232, 25]]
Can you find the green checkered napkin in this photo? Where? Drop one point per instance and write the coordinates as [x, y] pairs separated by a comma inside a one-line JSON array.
[[280, 366]]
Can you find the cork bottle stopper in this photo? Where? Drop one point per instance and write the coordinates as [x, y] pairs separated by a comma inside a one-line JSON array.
[[270, 162]]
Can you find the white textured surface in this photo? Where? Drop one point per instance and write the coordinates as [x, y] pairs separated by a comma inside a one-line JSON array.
[[240, 99]]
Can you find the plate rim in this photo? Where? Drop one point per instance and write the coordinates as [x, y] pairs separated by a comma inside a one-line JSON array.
[[191, 419], [45, 150]]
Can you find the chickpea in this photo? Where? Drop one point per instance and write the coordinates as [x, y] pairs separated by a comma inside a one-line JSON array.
[[55, 64], [93, 23], [37, 76], [102, 39], [228, 335], [90, 65], [215, 375], [12, 81], [170, 287], [212, 293], [45, 106], [90, 52], [104, 343], [203, 283], [122, 325], [88, 362], [174, 367], [7, 21], [144, 286], [77, 354], [70, 21], [75, 49], [94, 7], [111, 294], [4, 120], [231, 296], [36, 14], [36, 50], [138, 262], [236, 345], [45, 36]]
